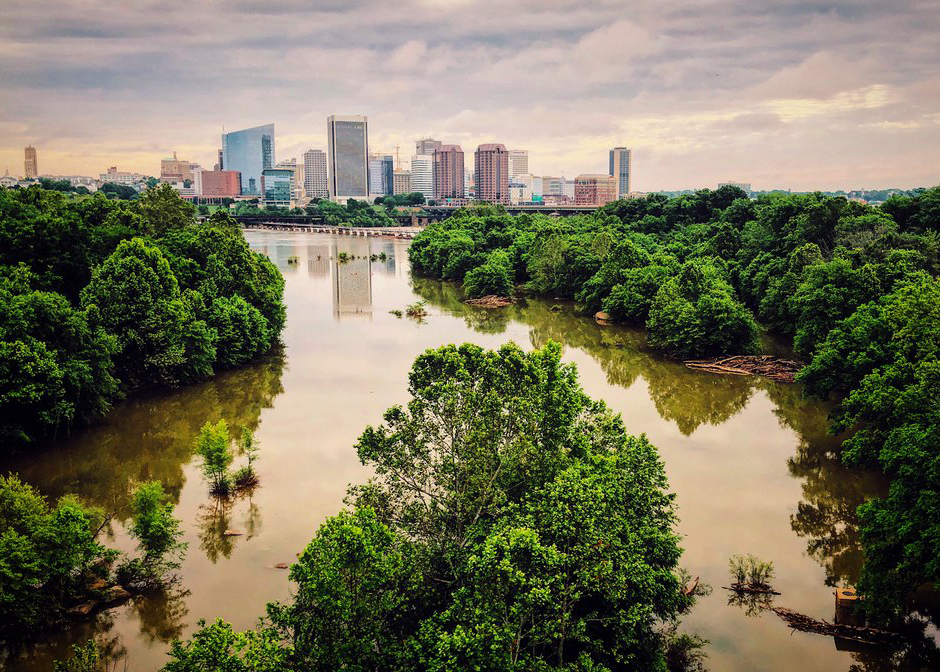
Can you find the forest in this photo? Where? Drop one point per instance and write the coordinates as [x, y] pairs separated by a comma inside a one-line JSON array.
[[852, 288], [100, 298]]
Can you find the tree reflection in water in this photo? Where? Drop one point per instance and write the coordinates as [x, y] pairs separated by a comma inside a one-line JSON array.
[[149, 437], [161, 613], [217, 517]]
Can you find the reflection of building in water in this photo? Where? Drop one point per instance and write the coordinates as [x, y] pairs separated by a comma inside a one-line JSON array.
[[386, 267], [352, 281], [318, 260], [282, 254]]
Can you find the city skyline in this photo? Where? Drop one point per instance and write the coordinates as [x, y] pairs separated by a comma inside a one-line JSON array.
[[836, 95]]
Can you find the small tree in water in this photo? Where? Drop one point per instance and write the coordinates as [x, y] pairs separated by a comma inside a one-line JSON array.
[[157, 533], [214, 447], [246, 477]]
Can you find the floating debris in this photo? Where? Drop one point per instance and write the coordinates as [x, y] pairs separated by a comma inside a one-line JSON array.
[[857, 633], [491, 301], [774, 368]]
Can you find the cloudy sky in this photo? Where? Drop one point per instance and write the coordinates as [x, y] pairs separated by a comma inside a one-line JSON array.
[[795, 93]]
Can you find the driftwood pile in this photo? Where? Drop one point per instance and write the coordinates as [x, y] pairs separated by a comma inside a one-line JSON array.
[[856, 633], [775, 368], [490, 301]]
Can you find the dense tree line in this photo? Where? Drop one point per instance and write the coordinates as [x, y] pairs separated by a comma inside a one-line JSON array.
[[101, 297], [512, 524], [854, 287]]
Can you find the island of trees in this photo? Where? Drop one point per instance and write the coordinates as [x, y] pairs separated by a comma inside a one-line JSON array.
[[102, 297]]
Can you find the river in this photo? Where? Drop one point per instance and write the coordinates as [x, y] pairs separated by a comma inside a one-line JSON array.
[[749, 460]]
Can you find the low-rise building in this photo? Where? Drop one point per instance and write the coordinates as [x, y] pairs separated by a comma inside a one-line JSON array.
[[594, 189], [220, 184], [115, 176]]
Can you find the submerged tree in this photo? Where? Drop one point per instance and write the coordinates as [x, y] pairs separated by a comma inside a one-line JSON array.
[[213, 445]]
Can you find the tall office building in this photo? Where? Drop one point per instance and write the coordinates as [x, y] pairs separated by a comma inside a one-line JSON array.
[[348, 156], [620, 169], [30, 165], [250, 152], [401, 182], [315, 180], [448, 172], [491, 173], [426, 146], [422, 175], [518, 162], [381, 174]]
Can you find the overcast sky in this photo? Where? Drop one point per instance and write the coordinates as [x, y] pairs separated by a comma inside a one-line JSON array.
[[792, 93]]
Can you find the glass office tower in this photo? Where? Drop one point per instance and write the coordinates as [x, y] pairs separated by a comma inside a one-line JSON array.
[[277, 186], [250, 152], [348, 156]]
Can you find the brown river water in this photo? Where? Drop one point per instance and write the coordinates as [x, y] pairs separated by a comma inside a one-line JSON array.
[[750, 461]]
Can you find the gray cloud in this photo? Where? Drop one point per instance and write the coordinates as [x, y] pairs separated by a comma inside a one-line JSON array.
[[800, 94]]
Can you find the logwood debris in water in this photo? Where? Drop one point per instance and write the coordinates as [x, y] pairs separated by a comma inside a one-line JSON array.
[[490, 301], [857, 633], [775, 368]]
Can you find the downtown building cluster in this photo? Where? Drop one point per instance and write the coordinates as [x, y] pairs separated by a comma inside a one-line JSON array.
[[247, 168]]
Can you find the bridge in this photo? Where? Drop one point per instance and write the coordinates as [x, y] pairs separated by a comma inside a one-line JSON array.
[[407, 232]]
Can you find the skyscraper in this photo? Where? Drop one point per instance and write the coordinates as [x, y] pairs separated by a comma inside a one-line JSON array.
[[381, 174], [426, 146], [30, 166], [315, 180], [491, 173], [250, 152], [620, 169], [348, 156], [518, 162], [448, 172], [422, 175], [277, 187]]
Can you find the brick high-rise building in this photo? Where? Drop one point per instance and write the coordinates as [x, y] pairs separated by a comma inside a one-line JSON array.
[[221, 183], [448, 172], [491, 173], [594, 189], [30, 165]]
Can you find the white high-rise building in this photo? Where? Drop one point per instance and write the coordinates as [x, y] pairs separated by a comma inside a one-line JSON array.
[[315, 181], [422, 175], [518, 162], [621, 169]]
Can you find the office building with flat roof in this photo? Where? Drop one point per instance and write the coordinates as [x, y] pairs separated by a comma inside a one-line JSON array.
[[422, 175], [30, 164], [594, 189], [347, 156], [491, 173], [401, 182], [621, 170], [381, 174], [448, 172], [316, 184], [250, 152], [518, 162]]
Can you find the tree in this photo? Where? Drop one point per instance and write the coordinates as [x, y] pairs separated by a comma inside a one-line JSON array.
[[696, 314], [493, 277], [161, 210], [47, 554], [55, 368], [213, 445], [218, 647], [134, 295], [158, 537]]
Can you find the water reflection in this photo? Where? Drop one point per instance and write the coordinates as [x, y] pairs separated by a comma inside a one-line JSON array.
[[149, 437], [223, 521], [681, 396]]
